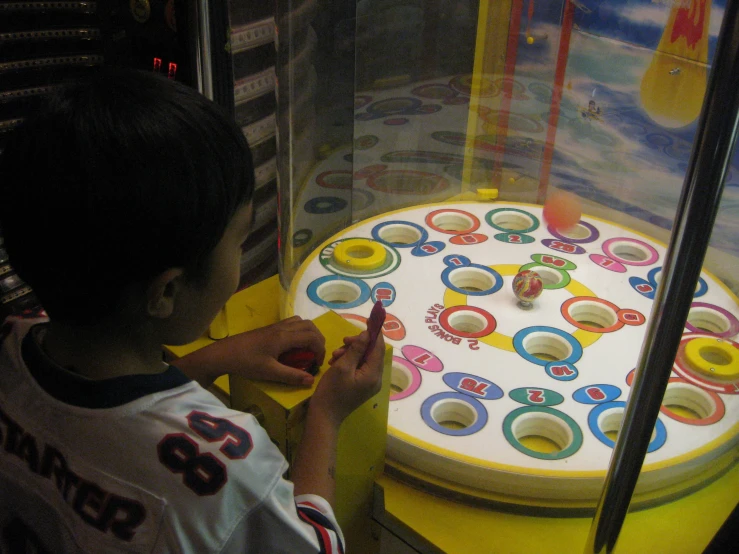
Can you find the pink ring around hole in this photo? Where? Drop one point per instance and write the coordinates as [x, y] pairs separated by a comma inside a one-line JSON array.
[[618, 240], [415, 378]]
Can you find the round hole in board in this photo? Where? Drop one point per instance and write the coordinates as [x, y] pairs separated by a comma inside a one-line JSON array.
[[543, 433], [453, 414], [512, 221], [547, 346], [338, 292]]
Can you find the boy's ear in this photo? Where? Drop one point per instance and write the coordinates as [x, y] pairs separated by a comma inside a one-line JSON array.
[[162, 292]]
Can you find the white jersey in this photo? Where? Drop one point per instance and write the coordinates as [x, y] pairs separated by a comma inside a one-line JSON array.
[[145, 463]]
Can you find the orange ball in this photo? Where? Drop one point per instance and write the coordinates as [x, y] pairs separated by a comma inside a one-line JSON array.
[[562, 210]]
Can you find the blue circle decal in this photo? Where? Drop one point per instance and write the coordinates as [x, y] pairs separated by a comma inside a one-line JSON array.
[[596, 394], [384, 292], [428, 248], [645, 288], [474, 386], [453, 260], [561, 371]]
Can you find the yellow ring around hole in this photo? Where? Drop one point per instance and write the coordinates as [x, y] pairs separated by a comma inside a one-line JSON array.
[[722, 372], [344, 255]]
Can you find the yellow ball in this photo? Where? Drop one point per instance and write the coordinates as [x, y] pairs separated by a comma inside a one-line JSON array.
[[530, 40]]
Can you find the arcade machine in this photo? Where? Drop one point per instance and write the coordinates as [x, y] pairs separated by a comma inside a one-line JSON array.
[[431, 155]]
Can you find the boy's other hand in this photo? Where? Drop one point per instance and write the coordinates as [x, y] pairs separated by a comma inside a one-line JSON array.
[[344, 386], [254, 354]]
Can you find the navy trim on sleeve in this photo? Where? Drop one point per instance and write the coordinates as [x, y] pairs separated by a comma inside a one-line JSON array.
[[321, 526], [75, 390]]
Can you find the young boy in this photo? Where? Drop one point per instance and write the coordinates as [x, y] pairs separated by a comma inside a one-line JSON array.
[[124, 204]]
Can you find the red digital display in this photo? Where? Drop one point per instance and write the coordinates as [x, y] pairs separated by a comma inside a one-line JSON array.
[[157, 65]]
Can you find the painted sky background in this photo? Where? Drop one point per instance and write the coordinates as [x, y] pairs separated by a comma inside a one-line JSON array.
[[610, 51], [638, 22]]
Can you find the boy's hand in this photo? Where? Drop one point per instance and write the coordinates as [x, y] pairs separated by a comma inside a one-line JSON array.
[[344, 387], [339, 352], [254, 354]]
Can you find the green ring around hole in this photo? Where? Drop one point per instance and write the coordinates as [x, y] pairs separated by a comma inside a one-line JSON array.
[[513, 441], [391, 264]]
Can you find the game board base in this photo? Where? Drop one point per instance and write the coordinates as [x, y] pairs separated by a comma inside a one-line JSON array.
[[535, 506]]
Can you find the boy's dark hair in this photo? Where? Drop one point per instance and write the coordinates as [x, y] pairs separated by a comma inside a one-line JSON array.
[[120, 176]]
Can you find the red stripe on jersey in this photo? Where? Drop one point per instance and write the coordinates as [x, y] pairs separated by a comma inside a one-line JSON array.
[[324, 541], [322, 525]]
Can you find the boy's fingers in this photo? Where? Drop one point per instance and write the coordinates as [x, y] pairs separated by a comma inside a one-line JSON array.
[[336, 354], [378, 353], [290, 376], [355, 350], [339, 352], [375, 366]]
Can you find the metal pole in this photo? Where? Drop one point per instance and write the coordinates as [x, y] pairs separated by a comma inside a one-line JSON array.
[[714, 144], [204, 62]]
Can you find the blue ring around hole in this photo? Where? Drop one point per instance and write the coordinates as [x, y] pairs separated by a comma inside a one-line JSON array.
[[364, 292], [377, 228], [497, 284], [651, 277], [519, 337], [480, 422], [655, 444]]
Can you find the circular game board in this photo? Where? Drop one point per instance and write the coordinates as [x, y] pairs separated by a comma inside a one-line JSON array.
[[498, 402]]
